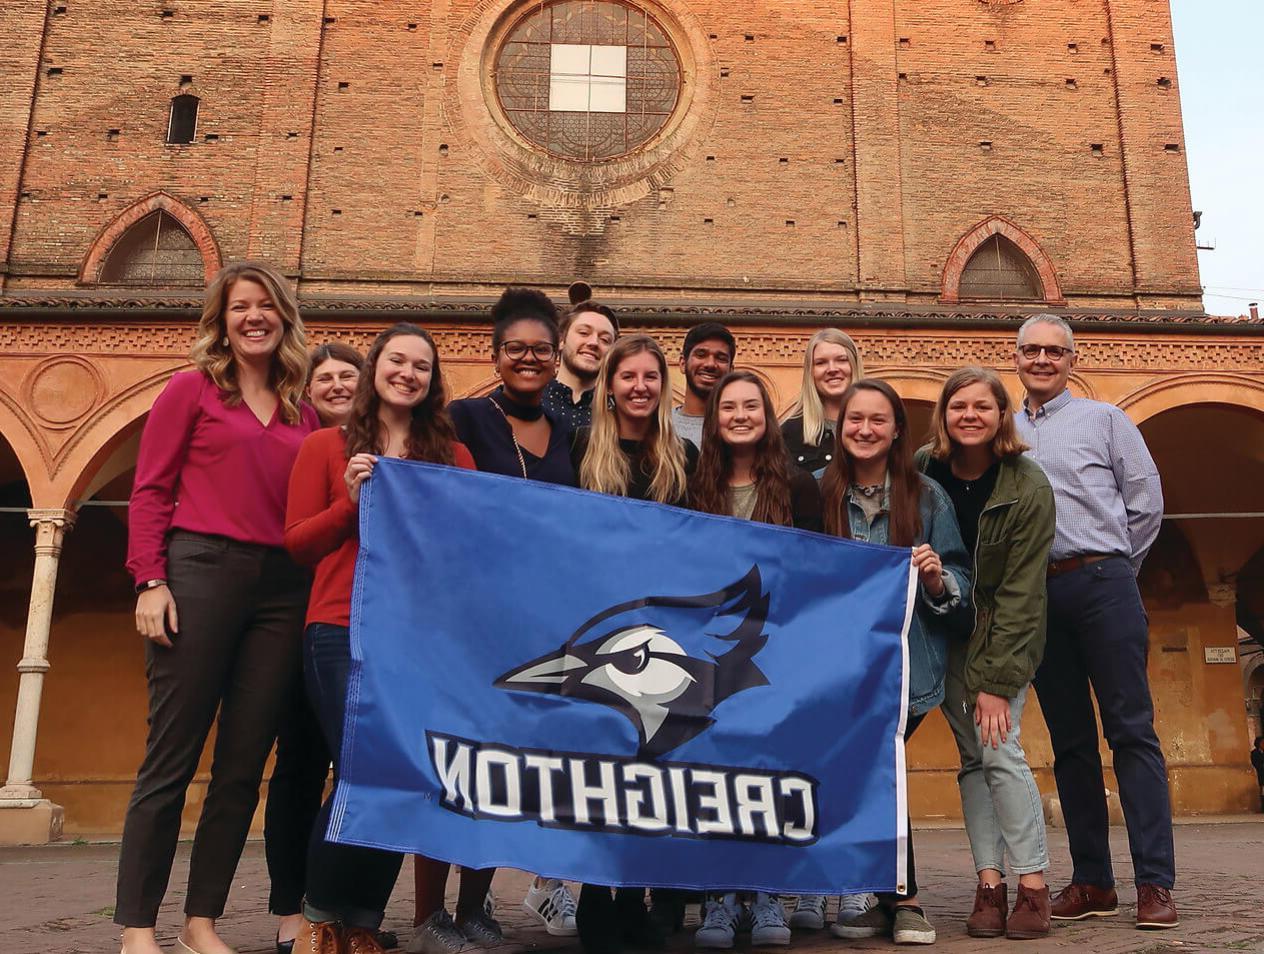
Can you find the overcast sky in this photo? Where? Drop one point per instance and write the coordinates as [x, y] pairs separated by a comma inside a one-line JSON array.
[[1220, 64]]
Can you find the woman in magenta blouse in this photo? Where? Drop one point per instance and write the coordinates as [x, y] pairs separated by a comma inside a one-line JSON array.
[[219, 601]]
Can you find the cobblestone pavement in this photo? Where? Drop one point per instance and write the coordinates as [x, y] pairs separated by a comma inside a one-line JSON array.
[[57, 900]]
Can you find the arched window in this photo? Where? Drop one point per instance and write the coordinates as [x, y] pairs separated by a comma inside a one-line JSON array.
[[155, 251], [998, 269], [182, 125]]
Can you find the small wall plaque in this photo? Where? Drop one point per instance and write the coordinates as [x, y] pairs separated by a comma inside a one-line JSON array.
[[1220, 654]]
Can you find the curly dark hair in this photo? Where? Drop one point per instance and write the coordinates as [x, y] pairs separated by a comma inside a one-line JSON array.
[[709, 486], [431, 434], [523, 304]]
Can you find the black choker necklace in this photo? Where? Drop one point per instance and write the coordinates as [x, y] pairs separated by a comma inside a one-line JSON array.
[[523, 412]]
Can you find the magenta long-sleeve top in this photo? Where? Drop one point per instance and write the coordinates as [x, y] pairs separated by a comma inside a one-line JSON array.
[[211, 468]]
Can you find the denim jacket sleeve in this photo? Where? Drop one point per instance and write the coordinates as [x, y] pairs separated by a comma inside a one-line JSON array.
[[940, 530]]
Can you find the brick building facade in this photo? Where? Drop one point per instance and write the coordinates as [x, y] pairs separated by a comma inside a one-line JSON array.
[[922, 174]]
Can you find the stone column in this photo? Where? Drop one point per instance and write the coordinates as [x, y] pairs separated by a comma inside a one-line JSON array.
[[26, 817]]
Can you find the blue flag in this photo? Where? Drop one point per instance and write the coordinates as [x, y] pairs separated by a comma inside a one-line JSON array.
[[618, 692]]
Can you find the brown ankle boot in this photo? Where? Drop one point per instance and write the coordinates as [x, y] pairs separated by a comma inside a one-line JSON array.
[[362, 941], [318, 937], [991, 905], [1030, 918]]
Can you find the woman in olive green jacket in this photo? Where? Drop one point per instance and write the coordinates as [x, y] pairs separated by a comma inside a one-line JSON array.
[[1005, 510]]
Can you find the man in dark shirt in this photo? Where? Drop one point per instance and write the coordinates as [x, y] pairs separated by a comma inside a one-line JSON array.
[[1257, 762], [588, 330]]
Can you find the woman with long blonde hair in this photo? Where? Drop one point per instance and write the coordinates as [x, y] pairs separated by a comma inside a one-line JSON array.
[[219, 601], [631, 448], [831, 364]]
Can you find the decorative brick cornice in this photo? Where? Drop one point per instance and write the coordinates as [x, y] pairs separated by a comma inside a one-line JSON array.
[[472, 310]]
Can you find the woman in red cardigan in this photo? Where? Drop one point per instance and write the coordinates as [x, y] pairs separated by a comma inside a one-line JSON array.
[[398, 411], [219, 601]]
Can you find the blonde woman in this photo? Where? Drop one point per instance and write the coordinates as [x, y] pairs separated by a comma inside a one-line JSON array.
[[219, 601], [831, 364], [631, 448]]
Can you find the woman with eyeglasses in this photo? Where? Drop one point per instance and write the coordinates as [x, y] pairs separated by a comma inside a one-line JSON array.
[[509, 432]]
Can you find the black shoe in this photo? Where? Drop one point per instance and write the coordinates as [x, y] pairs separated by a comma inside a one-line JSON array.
[[597, 920], [637, 927], [284, 947], [388, 939], [667, 909]]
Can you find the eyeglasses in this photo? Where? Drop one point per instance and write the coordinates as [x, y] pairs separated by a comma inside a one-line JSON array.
[[516, 350], [1032, 352]]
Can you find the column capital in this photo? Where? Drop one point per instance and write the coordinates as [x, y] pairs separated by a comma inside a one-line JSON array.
[[61, 519]]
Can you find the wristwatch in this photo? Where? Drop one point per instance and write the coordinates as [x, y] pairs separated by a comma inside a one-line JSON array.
[[149, 585]]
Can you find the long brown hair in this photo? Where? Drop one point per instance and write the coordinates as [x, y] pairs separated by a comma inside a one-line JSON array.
[[430, 433], [1006, 443], [709, 486], [904, 501], [605, 467], [213, 356]]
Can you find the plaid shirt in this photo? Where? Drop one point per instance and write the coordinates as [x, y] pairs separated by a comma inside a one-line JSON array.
[[1105, 484]]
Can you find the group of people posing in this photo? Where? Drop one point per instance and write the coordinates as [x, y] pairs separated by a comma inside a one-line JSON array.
[[1026, 526]]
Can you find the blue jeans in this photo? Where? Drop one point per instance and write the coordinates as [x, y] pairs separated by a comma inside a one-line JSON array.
[[999, 797], [1099, 637], [344, 882]]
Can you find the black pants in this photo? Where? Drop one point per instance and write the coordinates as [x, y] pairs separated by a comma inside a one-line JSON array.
[[910, 885], [1099, 638], [240, 612], [294, 797], [344, 882]]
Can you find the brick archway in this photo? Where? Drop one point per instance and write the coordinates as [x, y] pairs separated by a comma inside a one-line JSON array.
[[194, 224], [969, 243]]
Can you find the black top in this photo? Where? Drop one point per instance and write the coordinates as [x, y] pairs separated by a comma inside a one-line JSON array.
[[559, 401], [806, 506], [802, 454], [484, 430], [639, 485], [969, 497], [1257, 759]]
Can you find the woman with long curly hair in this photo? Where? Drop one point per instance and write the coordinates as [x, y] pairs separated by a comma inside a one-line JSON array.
[[631, 448], [219, 602], [399, 410], [873, 492], [744, 472]]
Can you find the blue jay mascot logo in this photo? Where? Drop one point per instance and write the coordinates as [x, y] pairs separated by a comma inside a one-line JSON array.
[[630, 657]]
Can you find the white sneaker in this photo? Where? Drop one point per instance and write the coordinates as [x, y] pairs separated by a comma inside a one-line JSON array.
[[809, 912], [769, 926], [854, 905], [551, 903], [719, 922]]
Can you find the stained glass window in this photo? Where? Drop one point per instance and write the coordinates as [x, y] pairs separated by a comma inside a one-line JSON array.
[[998, 269], [155, 251], [587, 79]]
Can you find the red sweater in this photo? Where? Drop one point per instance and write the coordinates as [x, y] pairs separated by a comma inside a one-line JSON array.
[[321, 528], [208, 467]]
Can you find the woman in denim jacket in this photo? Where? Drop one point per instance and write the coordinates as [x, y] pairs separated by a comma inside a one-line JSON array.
[[873, 492]]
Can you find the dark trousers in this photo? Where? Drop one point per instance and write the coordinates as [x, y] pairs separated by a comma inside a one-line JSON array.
[[910, 885], [240, 612], [344, 882], [1099, 638], [294, 797]]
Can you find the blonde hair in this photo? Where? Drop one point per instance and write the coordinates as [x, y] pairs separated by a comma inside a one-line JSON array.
[[809, 406], [1006, 443], [605, 467], [212, 355]]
